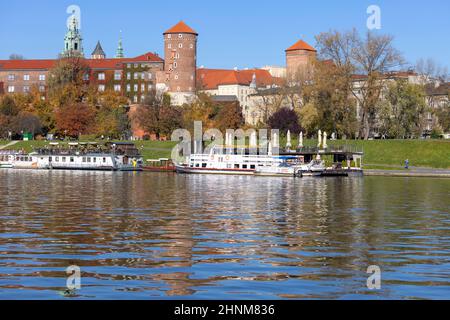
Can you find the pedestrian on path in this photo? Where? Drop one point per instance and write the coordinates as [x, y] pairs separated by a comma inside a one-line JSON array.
[[406, 164]]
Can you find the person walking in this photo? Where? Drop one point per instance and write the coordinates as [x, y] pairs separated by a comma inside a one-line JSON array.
[[406, 164]]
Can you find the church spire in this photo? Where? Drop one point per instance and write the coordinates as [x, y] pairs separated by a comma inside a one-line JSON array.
[[119, 53], [73, 42]]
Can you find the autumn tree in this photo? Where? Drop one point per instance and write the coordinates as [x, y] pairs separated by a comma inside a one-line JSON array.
[[230, 117], [111, 118], [75, 120], [156, 115], [202, 109]]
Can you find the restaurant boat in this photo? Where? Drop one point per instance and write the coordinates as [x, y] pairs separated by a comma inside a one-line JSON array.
[[236, 163], [80, 156], [159, 165]]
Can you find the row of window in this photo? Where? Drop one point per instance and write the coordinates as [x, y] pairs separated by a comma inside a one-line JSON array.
[[26, 89], [229, 166], [137, 65], [180, 46], [26, 77], [118, 88], [180, 36], [71, 159]]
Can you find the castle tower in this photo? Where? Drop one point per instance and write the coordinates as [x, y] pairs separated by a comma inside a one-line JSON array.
[[298, 59], [119, 53], [73, 42], [180, 67], [98, 52]]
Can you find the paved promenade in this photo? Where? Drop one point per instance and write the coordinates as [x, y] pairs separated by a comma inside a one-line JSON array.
[[412, 172]]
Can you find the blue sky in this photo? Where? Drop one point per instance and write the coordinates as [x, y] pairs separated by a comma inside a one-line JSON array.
[[242, 33]]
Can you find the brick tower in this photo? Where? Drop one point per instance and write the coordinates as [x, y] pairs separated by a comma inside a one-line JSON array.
[[298, 58], [180, 67]]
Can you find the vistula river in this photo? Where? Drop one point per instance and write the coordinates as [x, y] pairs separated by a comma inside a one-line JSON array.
[[167, 236]]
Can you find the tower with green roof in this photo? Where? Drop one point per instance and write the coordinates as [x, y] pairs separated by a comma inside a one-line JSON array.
[[73, 41]]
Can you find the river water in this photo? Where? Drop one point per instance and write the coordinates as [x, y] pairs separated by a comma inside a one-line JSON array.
[[167, 236]]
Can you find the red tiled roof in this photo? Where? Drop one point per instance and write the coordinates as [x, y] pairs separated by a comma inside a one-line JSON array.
[[209, 79], [301, 45], [181, 27], [26, 64], [93, 63]]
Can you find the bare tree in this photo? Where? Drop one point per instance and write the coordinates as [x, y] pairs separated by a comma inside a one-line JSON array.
[[372, 57], [429, 69], [16, 56]]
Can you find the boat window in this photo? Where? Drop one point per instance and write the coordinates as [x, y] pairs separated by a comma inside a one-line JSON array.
[[88, 159], [57, 159], [94, 159], [203, 165], [252, 166], [104, 160], [236, 166], [63, 159], [84, 159], [50, 159], [244, 166], [71, 159], [197, 165]]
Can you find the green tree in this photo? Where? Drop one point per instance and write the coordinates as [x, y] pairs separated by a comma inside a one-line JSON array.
[[403, 110]]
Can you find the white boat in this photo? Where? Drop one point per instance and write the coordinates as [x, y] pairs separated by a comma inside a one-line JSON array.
[[314, 168], [220, 162], [120, 157]]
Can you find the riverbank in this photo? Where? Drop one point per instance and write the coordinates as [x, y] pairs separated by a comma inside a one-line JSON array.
[[414, 173], [382, 157]]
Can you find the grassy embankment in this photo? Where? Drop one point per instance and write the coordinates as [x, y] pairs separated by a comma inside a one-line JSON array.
[[379, 154]]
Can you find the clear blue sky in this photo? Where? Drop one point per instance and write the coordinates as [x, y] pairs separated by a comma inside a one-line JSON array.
[[242, 33]]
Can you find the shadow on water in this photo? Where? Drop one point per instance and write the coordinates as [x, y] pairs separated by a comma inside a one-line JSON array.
[[140, 235]]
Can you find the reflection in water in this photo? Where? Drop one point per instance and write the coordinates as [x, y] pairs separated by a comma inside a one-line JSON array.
[[140, 235]]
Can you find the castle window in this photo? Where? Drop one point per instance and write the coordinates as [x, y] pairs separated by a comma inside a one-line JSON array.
[[117, 75], [128, 88], [142, 87], [86, 77], [191, 46], [135, 65], [135, 99], [169, 46], [76, 46], [150, 75], [135, 88], [176, 77], [129, 65], [11, 77], [150, 87], [42, 77], [175, 65], [142, 75], [101, 88], [101, 76], [142, 97], [180, 36], [136, 75], [26, 89], [11, 89], [41, 88], [169, 36], [117, 88], [26, 77], [177, 56], [180, 45], [129, 76]]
